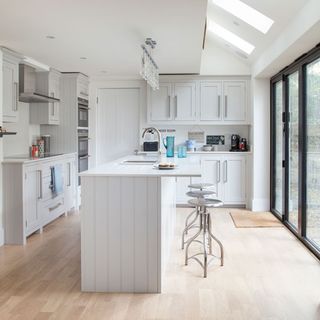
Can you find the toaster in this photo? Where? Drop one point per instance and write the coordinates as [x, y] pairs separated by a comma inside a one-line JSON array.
[[150, 146]]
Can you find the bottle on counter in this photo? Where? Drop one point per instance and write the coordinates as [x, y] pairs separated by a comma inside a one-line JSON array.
[[34, 151]]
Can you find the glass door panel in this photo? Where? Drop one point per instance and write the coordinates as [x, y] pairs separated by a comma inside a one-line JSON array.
[[293, 146], [313, 151], [278, 148]]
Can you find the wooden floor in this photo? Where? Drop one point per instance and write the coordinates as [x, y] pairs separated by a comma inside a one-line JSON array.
[[268, 274]]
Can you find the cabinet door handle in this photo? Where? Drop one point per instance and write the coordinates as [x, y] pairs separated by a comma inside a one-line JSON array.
[[218, 172], [52, 104], [15, 96], [69, 174], [176, 108], [225, 178], [55, 207], [226, 106], [40, 185], [169, 105], [219, 106]]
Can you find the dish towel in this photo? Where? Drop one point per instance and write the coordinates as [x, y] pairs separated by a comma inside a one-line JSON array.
[[56, 180]]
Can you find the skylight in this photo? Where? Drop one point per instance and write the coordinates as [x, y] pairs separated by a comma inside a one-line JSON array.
[[244, 12], [230, 37]]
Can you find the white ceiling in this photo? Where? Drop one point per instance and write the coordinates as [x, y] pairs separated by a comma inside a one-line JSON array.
[[281, 11], [107, 32]]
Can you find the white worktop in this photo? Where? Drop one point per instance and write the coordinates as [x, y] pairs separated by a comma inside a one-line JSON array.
[[25, 159], [186, 167]]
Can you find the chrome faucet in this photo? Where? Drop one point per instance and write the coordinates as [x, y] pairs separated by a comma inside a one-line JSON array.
[[152, 130]]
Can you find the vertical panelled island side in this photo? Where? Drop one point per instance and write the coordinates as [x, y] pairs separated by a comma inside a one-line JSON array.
[[127, 223]]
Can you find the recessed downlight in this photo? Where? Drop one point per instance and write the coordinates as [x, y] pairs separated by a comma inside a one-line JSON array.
[[50, 37], [83, 58], [104, 71]]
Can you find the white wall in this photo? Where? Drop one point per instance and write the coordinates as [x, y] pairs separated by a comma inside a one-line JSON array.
[[27, 134], [261, 145], [1, 157], [218, 61]]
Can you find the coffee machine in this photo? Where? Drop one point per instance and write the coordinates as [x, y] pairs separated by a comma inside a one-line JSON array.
[[235, 140]]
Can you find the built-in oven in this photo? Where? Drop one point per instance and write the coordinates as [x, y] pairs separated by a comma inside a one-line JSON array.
[[83, 150], [83, 113]]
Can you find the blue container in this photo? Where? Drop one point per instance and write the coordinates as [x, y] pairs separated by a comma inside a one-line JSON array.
[[168, 142], [182, 152], [191, 144]]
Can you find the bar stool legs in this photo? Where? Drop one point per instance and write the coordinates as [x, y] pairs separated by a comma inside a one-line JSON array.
[[189, 225], [207, 237]]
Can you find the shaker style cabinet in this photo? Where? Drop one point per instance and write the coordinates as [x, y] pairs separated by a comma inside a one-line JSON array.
[[228, 175], [210, 101], [32, 197], [199, 102], [234, 108], [184, 96], [10, 75], [173, 103], [47, 83], [223, 101], [160, 103], [29, 203]]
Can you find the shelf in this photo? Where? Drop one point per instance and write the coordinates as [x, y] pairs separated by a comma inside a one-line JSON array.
[[7, 134]]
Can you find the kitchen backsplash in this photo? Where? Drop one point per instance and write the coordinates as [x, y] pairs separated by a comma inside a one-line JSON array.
[[181, 133]]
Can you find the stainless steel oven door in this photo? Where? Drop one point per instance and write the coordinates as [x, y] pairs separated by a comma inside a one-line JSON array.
[[83, 113], [83, 146]]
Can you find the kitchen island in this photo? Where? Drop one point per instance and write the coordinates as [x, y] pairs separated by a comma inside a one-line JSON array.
[[127, 223]]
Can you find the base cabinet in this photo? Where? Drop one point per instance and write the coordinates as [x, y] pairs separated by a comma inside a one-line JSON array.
[[32, 197], [228, 174], [29, 203]]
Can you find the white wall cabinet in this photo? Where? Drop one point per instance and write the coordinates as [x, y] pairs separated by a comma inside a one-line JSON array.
[[199, 102], [28, 201], [47, 83], [228, 175], [223, 102], [234, 101], [210, 101], [172, 103], [10, 70], [160, 103], [184, 97]]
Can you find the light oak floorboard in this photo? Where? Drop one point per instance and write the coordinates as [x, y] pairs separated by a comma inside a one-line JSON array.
[[268, 274]]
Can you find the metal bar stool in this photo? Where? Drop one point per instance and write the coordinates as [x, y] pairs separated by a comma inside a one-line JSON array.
[[201, 187], [205, 231], [198, 194]]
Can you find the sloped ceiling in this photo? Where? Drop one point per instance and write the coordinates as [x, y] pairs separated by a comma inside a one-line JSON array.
[[282, 12]]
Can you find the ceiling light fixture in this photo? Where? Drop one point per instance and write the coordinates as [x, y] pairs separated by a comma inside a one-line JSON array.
[[230, 37], [149, 68], [50, 37], [83, 58], [246, 13]]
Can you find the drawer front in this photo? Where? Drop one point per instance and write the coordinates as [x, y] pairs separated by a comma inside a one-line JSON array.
[[53, 209]]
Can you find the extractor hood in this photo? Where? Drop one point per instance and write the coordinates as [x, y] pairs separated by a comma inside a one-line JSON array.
[[27, 86]]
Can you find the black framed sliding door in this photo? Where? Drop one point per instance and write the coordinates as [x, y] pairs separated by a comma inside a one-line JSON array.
[[312, 78], [295, 148]]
